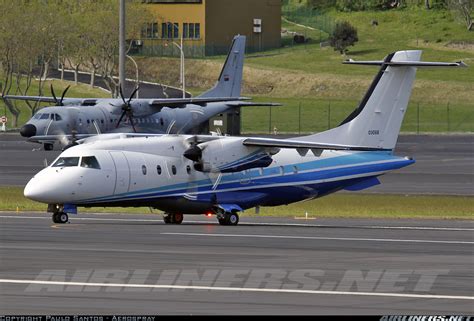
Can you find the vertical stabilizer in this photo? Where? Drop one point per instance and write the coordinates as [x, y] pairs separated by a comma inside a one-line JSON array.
[[377, 120], [229, 83]]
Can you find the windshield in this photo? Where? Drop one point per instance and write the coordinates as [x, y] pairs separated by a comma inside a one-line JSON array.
[[90, 162], [66, 162]]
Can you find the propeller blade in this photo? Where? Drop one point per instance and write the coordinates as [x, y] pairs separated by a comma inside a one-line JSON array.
[[121, 95], [63, 95], [130, 117], [53, 94], [132, 95], [120, 119]]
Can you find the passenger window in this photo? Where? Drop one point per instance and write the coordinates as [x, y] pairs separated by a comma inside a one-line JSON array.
[[90, 162], [188, 169], [295, 170], [88, 121], [173, 169], [144, 169], [158, 169], [66, 162]]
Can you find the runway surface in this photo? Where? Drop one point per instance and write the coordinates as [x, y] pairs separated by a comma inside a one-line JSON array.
[[445, 164], [129, 264]]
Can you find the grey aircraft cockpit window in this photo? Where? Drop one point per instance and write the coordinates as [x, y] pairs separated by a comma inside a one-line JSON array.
[[90, 162], [57, 117], [44, 116], [66, 162], [38, 116]]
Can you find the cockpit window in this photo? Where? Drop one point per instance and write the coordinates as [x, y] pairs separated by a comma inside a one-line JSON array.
[[44, 116], [90, 162], [66, 162], [38, 116], [57, 117]]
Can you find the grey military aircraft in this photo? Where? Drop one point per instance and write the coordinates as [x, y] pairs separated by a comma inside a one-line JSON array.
[[77, 118]]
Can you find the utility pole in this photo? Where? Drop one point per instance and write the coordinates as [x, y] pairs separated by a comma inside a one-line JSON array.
[[122, 45]]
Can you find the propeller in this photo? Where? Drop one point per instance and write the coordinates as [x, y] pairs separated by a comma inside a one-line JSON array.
[[127, 108], [194, 153], [56, 101]]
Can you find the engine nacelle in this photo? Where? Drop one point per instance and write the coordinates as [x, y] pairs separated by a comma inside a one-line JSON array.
[[230, 155]]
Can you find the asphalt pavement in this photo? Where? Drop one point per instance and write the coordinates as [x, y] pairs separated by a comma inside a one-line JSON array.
[[135, 264]]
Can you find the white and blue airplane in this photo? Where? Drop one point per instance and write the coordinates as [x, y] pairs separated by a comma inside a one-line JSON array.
[[192, 174]]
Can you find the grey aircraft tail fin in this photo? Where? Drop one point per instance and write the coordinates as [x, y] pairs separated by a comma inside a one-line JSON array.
[[229, 83]]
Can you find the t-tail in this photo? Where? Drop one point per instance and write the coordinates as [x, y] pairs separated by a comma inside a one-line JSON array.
[[376, 122], [229, 83]]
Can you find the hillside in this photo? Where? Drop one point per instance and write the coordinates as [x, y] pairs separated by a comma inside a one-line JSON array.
[[313, 76]]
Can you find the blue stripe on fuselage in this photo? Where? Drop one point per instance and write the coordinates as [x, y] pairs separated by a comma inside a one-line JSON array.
[[307, 172]]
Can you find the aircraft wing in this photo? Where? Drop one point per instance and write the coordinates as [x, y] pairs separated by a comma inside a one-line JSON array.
[[177, 102], [288, 143], [251, 104], [56, 138], [66, 101]]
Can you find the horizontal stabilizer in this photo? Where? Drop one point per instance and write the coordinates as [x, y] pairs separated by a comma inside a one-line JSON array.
[[417, 64], [288, 143], [251, 104]]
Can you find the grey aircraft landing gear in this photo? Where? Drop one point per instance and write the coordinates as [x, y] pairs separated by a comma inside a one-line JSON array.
[[173, 218], [60, 218], [228, 218], [48, 146]]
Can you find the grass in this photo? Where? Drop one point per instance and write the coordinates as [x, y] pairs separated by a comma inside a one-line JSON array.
[[304, 115], [337, 206]]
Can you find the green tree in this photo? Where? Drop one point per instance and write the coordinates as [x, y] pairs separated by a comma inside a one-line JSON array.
[[343, 36]]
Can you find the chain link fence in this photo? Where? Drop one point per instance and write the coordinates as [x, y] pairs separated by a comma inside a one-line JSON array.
[[304, 117]]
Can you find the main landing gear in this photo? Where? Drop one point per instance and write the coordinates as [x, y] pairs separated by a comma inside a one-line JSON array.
[[173, 218], [60, 218], [228, 218]]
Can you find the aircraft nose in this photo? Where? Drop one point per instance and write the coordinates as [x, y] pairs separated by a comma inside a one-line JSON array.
[[31, 191], [28, 130], [37, 192]]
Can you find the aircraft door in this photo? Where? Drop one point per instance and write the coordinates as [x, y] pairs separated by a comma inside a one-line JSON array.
[[122, 171]]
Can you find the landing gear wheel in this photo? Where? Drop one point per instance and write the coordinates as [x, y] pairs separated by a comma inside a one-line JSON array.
[[232, 218], [178, 218], [167, 218], [174, 218], [55, 218], [60, 218], [63, 218], [228, 219], [48, 146]]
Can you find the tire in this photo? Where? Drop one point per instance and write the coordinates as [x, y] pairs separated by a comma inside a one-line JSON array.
[[55, 218], [178, 218], [48, 146], [232, 218], [229, 219], [62, 218], [167, 218]]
